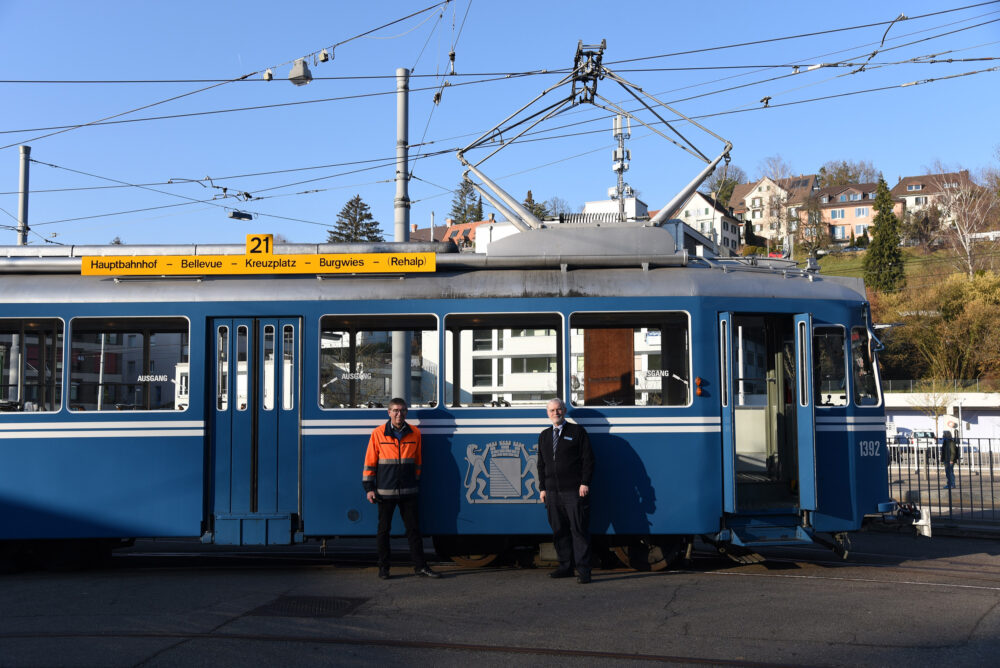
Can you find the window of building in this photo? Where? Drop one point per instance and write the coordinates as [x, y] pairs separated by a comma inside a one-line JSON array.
[[843, 198], [871, 195], [861, 212], [910, 187], [860, 229], [631, 359], [920, 200], [839, 232], [836, 214], [128, 364], [482, 339], [31, 353], [855, 197], [756, 201], [356, 359], [523, 370], [756, 215], [829, 366]]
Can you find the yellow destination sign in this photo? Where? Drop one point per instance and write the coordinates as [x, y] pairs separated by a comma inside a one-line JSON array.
[[257, 264]]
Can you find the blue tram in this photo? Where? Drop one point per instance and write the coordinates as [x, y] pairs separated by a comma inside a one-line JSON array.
[[731, 399]]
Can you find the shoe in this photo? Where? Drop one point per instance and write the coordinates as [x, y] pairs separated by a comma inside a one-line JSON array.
[[426, 572], [383, 574], [559, 573], [948, 487], [583, 579]]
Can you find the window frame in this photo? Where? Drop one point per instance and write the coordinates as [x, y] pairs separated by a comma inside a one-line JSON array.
[[498, 354], [71, 328], [439, 351], [690, 356], [59, 373]]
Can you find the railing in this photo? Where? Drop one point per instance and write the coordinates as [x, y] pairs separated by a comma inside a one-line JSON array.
[[917, 475], [933, 386]]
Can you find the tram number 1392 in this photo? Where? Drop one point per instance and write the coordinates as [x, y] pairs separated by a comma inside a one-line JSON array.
[[870, 448]]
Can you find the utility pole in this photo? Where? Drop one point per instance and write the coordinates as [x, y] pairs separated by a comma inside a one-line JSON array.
[[401, 340], [22, 205]]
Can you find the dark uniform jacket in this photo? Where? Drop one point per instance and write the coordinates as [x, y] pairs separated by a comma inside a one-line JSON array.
[[392, 466], [949, 450], [572, 465]]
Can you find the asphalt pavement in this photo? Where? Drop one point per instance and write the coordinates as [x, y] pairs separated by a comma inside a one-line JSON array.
[[896, 600]]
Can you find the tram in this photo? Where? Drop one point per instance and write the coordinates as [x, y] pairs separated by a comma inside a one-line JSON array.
[[737, 400]]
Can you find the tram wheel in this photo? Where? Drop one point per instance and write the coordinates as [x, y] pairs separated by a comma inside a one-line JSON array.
[[650, 553], [467, 552], [474, 560]]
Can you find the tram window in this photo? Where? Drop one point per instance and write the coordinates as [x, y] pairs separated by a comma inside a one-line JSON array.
[[242, 368], [521, 366], [356, 359], [269, 375], [829, 366], [630, 359], [128, 364], [31, 353], [222, 371], [865, 382], [287, 367]]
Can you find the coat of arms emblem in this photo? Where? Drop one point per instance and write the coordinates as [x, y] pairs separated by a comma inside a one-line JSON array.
[[501, 472]]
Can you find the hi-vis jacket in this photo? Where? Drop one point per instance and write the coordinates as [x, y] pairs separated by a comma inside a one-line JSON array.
[[392, 467]]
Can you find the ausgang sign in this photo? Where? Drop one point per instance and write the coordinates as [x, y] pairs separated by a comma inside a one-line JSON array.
[[258, 260]]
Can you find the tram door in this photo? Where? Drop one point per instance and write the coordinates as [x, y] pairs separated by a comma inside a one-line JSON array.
[[767, 413], [256, 375]]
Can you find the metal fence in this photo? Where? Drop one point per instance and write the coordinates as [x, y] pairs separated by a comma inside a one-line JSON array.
[[940, 386], [917, 475]]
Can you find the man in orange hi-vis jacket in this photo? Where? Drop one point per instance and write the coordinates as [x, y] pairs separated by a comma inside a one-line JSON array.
[[391, 478]]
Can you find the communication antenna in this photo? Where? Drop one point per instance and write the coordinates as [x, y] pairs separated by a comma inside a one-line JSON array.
[[622, 129]]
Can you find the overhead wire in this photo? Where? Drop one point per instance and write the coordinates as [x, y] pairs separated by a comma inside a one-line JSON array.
[[422, 143], [201, 90]]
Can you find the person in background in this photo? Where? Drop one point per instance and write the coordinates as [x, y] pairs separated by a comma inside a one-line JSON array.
[[391, 478], [950, 455]]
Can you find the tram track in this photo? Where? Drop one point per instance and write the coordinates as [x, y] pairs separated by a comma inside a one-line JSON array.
[[431, 645]]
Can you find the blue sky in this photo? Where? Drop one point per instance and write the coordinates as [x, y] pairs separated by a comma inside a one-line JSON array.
[[300, 152]]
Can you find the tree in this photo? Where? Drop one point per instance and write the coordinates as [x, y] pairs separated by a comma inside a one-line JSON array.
[[723, 184], [775, 168], [536, 208], [466, 207], [968, 209], [813, 233], [846, 172], [921, 225], [884, 259], [355, 223], [557, 206], [948, 329]]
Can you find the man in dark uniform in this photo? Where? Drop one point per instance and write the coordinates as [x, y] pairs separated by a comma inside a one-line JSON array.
[[565, 469]]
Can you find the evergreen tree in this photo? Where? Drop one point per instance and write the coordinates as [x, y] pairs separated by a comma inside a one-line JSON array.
[[884, 259], [355, 223], [463, 206], [537, 208], [477, 211]]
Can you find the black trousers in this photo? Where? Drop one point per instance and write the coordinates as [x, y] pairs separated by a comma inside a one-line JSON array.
[[569, 517], [408, 511]]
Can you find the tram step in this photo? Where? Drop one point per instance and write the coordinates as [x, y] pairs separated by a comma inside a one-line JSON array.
[[761, 535]]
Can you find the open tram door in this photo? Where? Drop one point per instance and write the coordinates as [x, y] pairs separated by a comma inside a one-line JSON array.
[[254, 430], [768, 432]]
